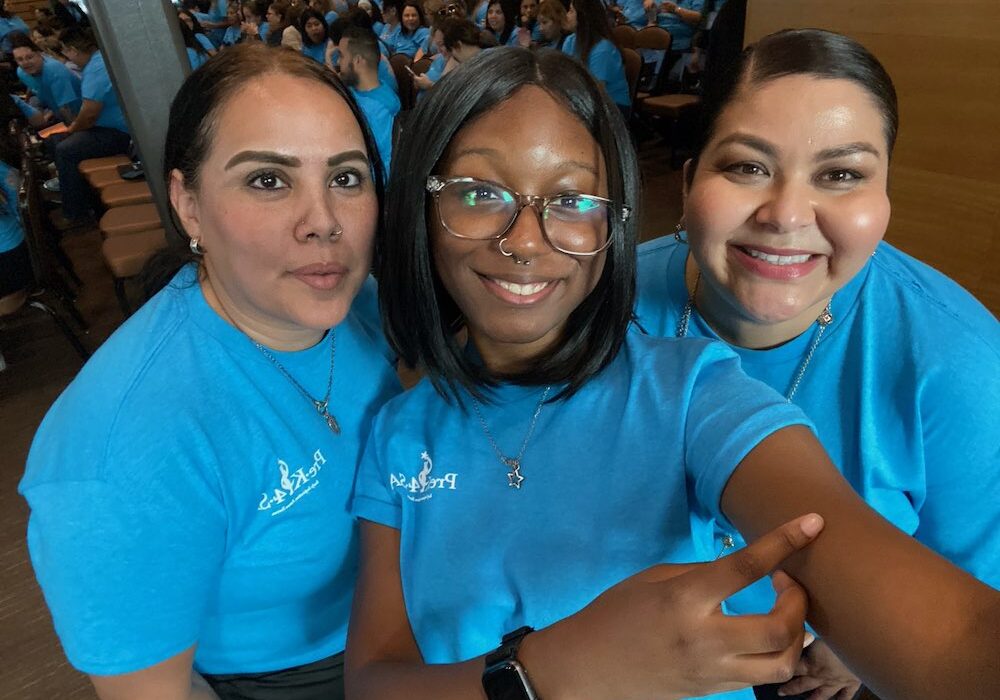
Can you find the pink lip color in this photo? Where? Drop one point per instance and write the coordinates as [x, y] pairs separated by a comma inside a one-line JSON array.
[[516, 299], [320, 276], [763, 268]]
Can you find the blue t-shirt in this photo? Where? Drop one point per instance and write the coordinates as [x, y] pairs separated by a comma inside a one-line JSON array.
[[26, 109], [11, 230], [902, 389], [386, 76], [331, 17], [96, 85], [408, 43], [205, 42], [196, 59], [316, 52], [605, 63], [611, 478], [635, 13], [479, 17], [56, 86], [232, 36], [183, 491], [263, 29], [681, 32], [387, 35], [376, 106], [437, 68], [11, 25]]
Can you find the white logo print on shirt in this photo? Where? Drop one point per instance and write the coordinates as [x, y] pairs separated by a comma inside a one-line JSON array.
[[294, 485], [421, 487]]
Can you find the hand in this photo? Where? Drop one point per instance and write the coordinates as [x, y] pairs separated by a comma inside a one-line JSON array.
[[648, 4], [661, 633], [668, 7], [822, 672], [423, 82], [524, 38], [250, 29], [328, 53]]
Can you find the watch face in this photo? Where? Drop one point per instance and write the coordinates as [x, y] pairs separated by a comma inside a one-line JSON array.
[[503, 682]]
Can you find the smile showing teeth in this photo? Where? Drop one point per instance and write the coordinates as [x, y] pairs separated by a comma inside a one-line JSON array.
[[777, 259], [523, 290]]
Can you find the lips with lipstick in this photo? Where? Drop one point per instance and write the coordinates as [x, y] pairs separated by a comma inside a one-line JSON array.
[[321, 276], [776, 263]]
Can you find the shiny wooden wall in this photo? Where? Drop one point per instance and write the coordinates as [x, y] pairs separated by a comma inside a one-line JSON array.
[[944, 58]]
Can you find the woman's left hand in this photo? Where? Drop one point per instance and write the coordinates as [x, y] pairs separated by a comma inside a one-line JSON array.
[[824, 674]]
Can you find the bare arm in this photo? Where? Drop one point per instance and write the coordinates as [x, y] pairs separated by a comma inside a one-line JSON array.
[[660, 632], [908, 622], [87, 117], [173, 679]]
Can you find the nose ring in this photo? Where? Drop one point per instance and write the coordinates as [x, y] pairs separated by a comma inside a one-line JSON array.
[[507, 254]]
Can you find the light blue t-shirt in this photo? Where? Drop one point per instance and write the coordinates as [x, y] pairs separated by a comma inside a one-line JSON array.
[[316, 52], [11, 25], [331, 17], [408, 43], [902, 389], [387, 35], [26, 109], [232, 36], [263, 29], [605, 64], [195, 58], [437, 67], [635, 13], [11, 230], [205, 42], [681, 32], [611, 478], [183, 491], [479, 17], [376, 106], [96, 85], [56, 86]]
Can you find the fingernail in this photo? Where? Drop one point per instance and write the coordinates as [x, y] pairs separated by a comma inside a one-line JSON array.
[[808, 639], [782, 693], [811, 524]]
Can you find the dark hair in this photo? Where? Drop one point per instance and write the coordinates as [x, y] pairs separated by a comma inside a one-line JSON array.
[[420, 14], [363, 42], [420, 316], [456, 31], [591, 26], [188, 35], [78, 38], [814, 52], [305, 17], [511, 11], [19, 40], [194, 114], [257, 8]]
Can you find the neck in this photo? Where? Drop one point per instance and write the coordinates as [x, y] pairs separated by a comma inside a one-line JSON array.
[[271, 335], [367, 79], [734, 327], [511, 359]]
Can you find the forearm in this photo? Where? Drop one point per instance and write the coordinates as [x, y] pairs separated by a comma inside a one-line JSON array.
[[692, 17], [909, 623]]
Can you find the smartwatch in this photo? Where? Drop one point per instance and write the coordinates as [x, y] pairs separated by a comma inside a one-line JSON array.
[[504, 678]]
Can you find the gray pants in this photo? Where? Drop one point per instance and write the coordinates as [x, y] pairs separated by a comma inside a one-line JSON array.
[[320, 680]]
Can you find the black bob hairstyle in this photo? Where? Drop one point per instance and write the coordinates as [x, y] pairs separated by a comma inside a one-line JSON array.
[[420, 317], [194, 117], [814, 52]]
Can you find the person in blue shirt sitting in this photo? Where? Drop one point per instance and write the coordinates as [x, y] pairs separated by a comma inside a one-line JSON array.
[[57, 88], [196, 53], [10, 23], [460, 42], [315, 35], [391, 9], [357, 18], [552, 23], [15, 264], [359, 62], [233, 33], [188, 18], [681, 19], [501, 19], [412, 33], [325, 8], [99, 129], [591, 42], [631, 12], [529, 21], [781, 257]]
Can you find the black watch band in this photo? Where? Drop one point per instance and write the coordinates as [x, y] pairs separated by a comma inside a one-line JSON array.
[[504, 678]]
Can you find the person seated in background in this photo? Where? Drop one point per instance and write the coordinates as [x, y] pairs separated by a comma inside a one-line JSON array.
[[357, 18], [281, 20], [196, 53], [529, 23], [359, 60], [630, 12], [391, 10], [591, 42], [432, 47], [255, 25], [188, 18], [412, 33], [69, 14], [57, 89], [501, 20], [551, 23], [98, 130], [234, 32], [15, 265], [315, 34], [10, 24], [442, 63], [37, 118], [325, 8], [460, 41]]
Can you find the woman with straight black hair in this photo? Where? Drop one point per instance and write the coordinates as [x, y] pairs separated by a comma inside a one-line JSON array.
[[545, 470], [785, 209], [590, 41], [501, 19], [206, 452], [315, 34]]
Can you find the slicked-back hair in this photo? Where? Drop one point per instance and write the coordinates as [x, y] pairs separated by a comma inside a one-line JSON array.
[[194, 117], [420, 316], [363, 42], [813, 52]]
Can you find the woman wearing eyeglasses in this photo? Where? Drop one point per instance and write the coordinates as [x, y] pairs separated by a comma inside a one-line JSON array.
[[540, 470]]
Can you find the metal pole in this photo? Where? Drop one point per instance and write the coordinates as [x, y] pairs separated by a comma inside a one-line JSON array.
[[145, 55]]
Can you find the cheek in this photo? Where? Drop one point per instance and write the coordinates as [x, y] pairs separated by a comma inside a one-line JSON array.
[[855, 226], [714, 210]]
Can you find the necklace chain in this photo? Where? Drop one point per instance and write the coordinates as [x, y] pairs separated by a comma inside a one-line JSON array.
[[514, 477], [824, 320], [322, 406]]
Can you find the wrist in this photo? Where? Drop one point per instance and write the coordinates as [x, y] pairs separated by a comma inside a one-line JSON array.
[[543, 658]]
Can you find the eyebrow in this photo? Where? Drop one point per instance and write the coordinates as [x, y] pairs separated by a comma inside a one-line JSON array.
[[493, 153], [848, 149], [752, 141], [291, 161]]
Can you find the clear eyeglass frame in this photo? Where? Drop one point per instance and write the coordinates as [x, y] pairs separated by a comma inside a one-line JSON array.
[[435, 185]]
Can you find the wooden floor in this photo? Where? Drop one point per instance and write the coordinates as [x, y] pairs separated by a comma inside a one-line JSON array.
[[41, 363]]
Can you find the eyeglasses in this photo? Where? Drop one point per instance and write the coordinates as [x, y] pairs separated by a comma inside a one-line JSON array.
[[449, 10], [572, 223]]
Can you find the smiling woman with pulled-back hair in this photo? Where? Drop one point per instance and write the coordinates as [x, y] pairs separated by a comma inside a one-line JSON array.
[[205, 454]]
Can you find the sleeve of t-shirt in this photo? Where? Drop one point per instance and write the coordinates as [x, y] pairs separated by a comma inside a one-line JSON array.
[[605, 62], [728, 415], [127, 558], [27, 110], [96, 86], [64, 90], [374, 498]]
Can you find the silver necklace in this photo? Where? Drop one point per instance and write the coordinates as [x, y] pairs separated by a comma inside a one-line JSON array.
[[824, 320], [514, 477], [322, 407]]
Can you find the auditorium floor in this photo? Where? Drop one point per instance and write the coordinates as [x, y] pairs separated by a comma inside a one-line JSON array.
[[41, 363]]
